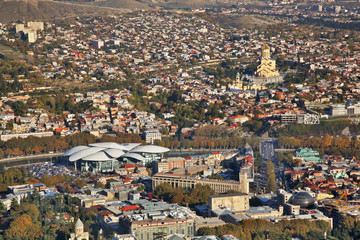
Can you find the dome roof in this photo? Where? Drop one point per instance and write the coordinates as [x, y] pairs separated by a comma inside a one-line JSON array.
[[304, 199], [150, 149], [108, 145], [109, 150], [79, 223], [99, 156], [129, 146], [83, 153], [115, 153], [74, 150], [135, 156]]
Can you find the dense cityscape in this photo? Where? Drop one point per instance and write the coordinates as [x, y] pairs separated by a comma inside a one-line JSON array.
[[235, 121]]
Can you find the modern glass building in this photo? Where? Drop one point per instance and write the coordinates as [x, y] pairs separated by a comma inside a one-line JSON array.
[[107, 156]]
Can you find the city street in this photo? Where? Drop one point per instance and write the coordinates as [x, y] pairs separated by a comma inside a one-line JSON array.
[[267, 150]]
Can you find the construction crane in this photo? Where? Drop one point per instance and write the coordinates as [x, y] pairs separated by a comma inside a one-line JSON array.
[[343, 195]]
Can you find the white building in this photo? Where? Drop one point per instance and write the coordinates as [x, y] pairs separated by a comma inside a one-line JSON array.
[[151, 136]]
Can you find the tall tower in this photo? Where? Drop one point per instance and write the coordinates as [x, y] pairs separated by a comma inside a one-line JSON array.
[[243, 181], [265, 51], [238, 81], [267, 66], [79, 227]]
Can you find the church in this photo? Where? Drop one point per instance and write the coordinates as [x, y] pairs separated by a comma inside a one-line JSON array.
[[265, 73], [79, 232], [267, 66]]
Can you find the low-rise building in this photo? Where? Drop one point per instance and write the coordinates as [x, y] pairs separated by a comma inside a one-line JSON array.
[[219, 186], [235, 201]]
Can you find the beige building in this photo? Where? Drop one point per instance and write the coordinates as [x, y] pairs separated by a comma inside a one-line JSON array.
[[38, 26], [30, 31], [210, 222], [236, 201], [169, 164], [267, 67], [266, 72], [90, 201], [153, 228], [79, 232], [189, 182]]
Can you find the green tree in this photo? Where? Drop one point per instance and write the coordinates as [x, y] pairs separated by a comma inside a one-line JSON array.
[[200, 193], [206, 231], [270, 169]]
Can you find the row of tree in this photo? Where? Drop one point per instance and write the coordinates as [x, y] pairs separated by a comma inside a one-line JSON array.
[[332, 128], [344, 146], [262, 229], [211, 136], [35, 145], [271, 179]]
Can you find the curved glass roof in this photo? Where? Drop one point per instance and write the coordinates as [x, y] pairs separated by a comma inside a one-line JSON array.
[[99, 156], [129, 146], [149, 149], [304, 199], [108, 145], [115, 153], [74, 150], [83, 153], [110, 150], [135, 156]]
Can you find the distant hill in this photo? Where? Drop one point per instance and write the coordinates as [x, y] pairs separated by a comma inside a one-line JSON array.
[[127, 4], [181, 4], [244, 21], [26, 10], [191, 3]]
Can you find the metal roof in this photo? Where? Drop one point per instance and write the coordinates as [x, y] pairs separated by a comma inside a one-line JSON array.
[[149, 149], [115, 153], [108, 145], [135, 156], [129, 146], [83, 153], [74, 150], [99, 156], [110, 150]]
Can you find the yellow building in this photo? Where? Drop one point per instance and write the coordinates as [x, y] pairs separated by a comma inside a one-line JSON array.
[[235, 201], [267, 67]]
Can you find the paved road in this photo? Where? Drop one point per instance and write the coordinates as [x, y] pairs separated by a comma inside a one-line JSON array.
[[45, 155], [267, 149]]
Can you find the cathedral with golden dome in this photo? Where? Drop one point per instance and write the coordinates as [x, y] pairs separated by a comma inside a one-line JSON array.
[[267, 66], [265, 73]]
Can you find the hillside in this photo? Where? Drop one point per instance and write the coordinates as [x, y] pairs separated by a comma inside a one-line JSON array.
[[244, 21], [25, 10], [126, 4]]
